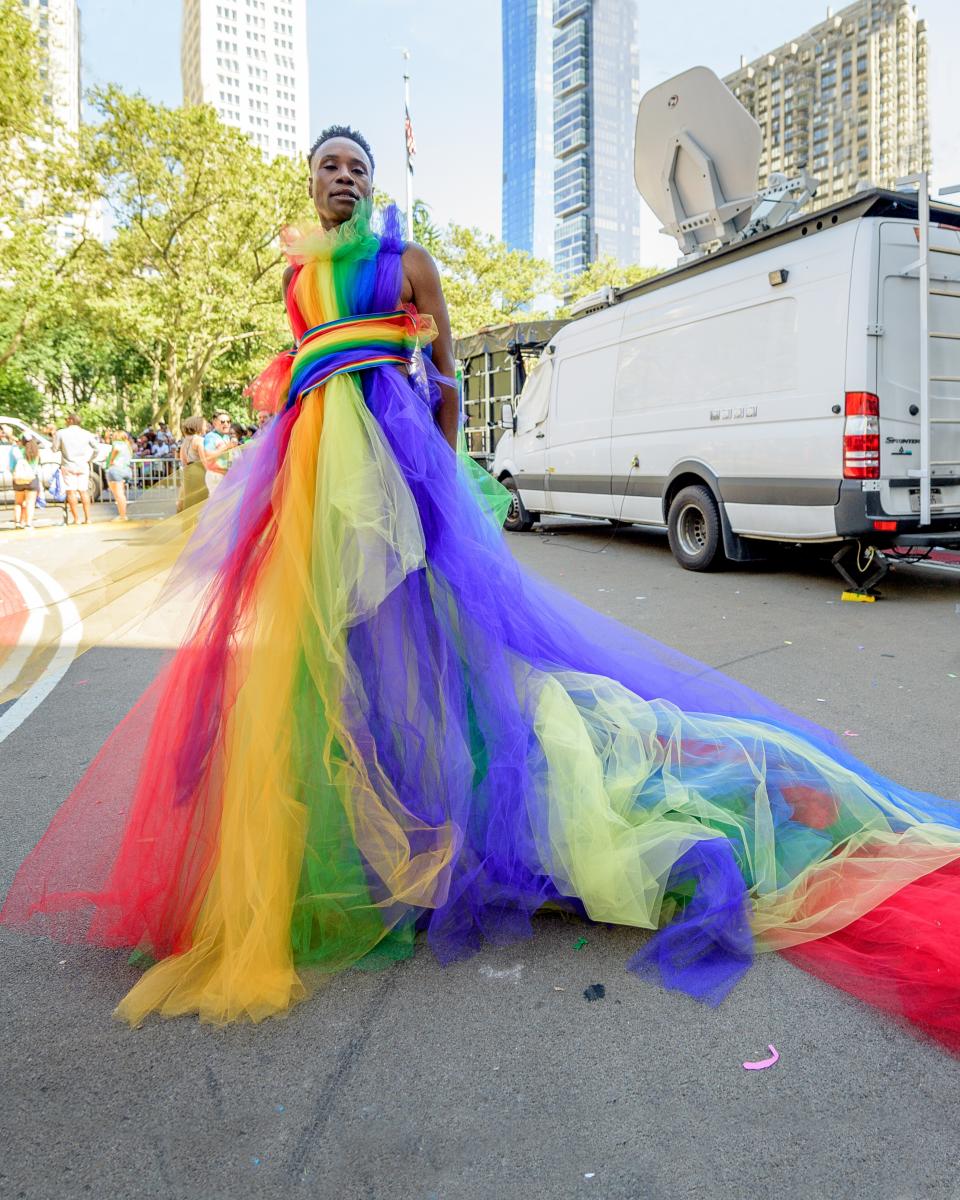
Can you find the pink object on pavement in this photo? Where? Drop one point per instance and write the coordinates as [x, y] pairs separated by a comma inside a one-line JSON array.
[[764, 1062]]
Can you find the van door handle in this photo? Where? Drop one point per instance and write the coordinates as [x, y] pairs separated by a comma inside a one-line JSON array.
[[540, 435]]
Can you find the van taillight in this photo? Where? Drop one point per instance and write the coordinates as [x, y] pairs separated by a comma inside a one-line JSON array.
[[861, 436]]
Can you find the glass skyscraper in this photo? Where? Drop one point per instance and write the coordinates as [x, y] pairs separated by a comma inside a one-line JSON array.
[[596, 93], [570, 96], [527, 199]]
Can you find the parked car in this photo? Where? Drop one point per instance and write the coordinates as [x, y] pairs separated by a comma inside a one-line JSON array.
[[49, 461]]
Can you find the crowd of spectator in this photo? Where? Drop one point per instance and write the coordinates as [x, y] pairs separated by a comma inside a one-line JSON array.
[[204, 452]]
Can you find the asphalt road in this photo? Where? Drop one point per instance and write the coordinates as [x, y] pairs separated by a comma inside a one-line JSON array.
[[497, 1078]]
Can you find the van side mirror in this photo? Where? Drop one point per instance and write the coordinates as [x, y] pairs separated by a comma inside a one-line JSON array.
[[506, 416]]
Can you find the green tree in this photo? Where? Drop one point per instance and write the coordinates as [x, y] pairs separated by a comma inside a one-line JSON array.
[[485, 282], [21, 95], [193, 269], [41, 182], [18, 395], [603, 272], [81, 362], [426, 232]]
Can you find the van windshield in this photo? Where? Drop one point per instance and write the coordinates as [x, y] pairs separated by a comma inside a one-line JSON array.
[[535, 397]]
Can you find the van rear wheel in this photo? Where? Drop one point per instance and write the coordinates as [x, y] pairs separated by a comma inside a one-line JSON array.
[[693, 529], [518, 520]]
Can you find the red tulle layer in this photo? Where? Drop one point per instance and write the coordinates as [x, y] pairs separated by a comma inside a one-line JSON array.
[[127, 859], [268, 392], [902, 957]]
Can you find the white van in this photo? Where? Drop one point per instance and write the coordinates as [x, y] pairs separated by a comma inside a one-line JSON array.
[[769, 392]]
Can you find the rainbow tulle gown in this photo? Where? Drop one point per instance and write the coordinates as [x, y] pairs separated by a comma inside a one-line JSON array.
[[380, 724]]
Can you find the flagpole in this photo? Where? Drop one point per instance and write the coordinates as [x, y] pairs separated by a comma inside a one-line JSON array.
[[406, 147]]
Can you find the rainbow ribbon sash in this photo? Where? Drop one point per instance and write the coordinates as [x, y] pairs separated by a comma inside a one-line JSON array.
[[356, 344]]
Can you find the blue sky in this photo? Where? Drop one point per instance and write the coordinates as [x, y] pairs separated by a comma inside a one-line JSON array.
[[355, 66]]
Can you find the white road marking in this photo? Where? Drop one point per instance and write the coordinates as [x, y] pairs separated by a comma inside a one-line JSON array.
[[71, 629], [30, 633]]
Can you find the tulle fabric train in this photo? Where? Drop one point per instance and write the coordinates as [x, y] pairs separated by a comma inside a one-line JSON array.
[[380, 723]]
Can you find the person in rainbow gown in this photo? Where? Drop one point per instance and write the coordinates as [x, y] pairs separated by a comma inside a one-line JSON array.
[[379, 725]]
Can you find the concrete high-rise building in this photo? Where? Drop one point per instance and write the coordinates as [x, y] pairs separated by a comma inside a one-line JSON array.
[[527, 198], [847, 99], [57, 23], [596, 92], [248, 58]]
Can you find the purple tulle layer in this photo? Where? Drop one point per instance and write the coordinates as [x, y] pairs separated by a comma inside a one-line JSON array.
[[471, 624]]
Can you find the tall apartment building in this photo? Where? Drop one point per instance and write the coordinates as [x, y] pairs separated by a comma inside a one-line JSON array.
[[248, 58], [57, 23], [527, 198], [847, 99], [596, 93]]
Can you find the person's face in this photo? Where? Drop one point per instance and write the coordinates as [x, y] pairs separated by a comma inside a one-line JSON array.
[[340, 176], [222, 425], [262, 419]]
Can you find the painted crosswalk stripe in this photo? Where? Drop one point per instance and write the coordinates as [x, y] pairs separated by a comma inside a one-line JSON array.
[[71, 628]]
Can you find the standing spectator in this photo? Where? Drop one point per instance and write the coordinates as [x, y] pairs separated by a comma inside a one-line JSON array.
[[27, 482], [119, 471], [216, 446], [159, 467], [77, 447], [194, 488], [8, 449], [262, 419], [239, 434]]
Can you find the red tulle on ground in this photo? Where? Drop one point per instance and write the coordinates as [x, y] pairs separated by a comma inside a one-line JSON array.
[[127, 859], [902, 957]]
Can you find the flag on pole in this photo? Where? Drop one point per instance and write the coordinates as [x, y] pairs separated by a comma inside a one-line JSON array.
[[411, 141]]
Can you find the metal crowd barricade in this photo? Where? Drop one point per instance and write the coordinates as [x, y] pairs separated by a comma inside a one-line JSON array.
[[152, 479]]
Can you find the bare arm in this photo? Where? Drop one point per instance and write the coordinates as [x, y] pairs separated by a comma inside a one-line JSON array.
[[288, 273], [426, 293], [210, 458]]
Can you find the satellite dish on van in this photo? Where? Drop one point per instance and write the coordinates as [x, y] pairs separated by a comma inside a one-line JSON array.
[[695, 159]]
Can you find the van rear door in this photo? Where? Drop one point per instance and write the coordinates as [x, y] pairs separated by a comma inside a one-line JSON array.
[[898, 366]]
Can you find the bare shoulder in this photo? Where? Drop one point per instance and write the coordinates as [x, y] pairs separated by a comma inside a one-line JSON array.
[[420, 272], [416, 259]]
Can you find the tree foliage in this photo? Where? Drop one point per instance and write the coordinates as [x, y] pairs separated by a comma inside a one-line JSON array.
[[194, 266], [21, 93], [485, 282], [178, 305], [42, 181], [601, 273]]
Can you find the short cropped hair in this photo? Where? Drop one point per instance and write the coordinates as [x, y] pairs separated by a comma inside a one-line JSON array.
[[342, 131]]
